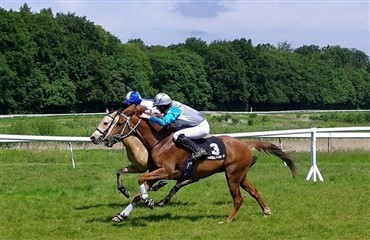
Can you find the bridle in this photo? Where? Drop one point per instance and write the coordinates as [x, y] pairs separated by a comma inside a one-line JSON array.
[[104, 133], [131, 130], [129, 127]]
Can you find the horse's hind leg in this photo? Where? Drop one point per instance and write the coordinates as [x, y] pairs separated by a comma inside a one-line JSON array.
[[237, 199], [173, 191], [247, 186]]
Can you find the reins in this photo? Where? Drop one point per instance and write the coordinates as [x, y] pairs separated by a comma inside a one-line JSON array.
[[127, 125], [132, 130]]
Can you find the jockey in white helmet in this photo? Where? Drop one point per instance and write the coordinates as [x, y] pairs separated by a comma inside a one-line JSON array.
[[188, 122]]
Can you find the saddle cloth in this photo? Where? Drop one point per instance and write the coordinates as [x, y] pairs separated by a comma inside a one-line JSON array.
[[215, 148]]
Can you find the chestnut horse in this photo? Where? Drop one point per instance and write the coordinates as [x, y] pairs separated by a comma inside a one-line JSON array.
[[136, 152], [167, 160]]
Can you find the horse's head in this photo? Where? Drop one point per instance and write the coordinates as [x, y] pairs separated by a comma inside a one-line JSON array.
[[125, 125], [103, 128]]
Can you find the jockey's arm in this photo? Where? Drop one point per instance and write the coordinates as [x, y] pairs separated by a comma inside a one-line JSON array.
[[167, 119]]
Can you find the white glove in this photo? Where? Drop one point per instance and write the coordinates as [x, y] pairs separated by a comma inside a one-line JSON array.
[[144, 116]]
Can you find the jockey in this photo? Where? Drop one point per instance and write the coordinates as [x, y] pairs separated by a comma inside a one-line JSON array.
[[133, 97], [188, 122]]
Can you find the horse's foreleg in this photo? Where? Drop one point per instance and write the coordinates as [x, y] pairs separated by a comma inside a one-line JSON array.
[[247, 186], [126, 212], [120, 172], [146, 180], [173, 191]]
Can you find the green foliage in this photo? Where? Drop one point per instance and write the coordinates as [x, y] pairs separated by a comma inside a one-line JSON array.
[[227, 76], [226, 118], [182, 75], [65, 63], [356, 118]]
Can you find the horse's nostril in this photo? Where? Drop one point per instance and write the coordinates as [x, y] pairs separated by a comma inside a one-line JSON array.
[[92, 138]]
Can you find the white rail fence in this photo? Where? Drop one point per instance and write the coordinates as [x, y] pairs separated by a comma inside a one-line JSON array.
[[312, 133]]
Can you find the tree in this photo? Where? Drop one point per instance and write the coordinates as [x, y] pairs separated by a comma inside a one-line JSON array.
[[227, 76], [181, 74]]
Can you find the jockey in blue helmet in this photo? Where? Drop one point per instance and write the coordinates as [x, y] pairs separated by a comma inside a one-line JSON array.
[[133, 97]]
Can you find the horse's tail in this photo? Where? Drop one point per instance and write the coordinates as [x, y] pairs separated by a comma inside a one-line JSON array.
[[270, 148]]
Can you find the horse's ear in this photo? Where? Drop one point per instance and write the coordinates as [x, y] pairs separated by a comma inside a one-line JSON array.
[[121, 120], [106, 110]]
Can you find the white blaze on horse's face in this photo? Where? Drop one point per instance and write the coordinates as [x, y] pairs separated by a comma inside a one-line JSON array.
[[103, 128]]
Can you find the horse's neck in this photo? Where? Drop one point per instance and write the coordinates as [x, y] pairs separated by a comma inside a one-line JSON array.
[[151, 136], [136, 152], [130, 142]]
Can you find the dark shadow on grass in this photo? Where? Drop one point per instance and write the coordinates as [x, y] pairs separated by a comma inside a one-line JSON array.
[[140, 205], [138, 221], [110, 205]]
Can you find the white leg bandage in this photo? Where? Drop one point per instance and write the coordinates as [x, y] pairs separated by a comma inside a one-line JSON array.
[[143, 192], [128, 210]]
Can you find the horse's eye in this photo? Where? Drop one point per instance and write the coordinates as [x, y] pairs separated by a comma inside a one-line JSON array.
[[106, 123]]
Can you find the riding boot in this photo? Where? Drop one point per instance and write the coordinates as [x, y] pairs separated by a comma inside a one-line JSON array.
[[189, 144]]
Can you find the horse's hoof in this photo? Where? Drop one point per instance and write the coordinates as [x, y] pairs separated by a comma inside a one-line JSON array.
[[160, 204], [158, 185], [118, 218], [149, 203], [125, 192], [267, 211]]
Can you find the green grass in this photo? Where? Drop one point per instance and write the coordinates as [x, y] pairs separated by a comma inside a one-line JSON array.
[[83, 126], [43, 197]]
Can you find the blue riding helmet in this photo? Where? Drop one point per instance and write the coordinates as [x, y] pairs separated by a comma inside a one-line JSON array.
[[133, 97]]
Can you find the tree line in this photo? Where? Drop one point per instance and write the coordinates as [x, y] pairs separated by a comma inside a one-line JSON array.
[[64, 63]]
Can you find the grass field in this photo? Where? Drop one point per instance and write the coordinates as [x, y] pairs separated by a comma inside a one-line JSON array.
[[43, 197], [83, 126]]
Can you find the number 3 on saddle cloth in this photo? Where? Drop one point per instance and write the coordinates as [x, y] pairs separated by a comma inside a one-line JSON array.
[[215, 148]]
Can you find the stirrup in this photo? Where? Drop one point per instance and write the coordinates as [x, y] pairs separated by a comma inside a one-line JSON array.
[[200, 154]]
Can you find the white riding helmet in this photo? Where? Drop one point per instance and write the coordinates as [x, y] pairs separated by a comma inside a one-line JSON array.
[[162, 99]]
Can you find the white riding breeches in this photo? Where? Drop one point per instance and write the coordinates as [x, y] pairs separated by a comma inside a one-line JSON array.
[[196, 132]]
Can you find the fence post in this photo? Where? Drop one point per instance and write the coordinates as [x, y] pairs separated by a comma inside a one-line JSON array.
[[72, 159], [314, 169]]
